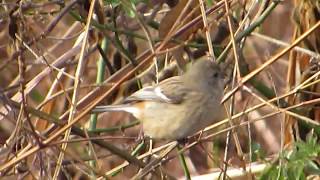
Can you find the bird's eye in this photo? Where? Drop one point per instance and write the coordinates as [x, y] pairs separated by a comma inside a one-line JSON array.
[[215, 75]]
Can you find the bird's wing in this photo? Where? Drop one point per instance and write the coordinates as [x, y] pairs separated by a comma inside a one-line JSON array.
[[171, 90]]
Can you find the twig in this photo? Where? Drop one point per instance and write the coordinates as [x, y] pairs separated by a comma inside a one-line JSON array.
[[269, 62]]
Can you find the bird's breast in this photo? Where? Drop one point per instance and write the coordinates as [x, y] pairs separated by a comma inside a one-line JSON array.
[[176, 121]]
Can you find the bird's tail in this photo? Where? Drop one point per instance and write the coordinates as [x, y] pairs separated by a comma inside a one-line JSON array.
[[110, 108]]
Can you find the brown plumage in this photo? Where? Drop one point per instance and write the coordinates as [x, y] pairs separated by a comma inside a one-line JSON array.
[[178, 106]]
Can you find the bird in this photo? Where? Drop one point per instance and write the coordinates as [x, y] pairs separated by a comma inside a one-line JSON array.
[[179, 106]]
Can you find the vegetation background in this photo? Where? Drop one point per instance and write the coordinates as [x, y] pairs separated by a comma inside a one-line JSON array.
[[58, 57]]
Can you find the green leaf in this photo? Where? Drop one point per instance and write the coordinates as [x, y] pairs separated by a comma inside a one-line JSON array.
[[36, 96], [257, 152], [296, 163], [209, 2]]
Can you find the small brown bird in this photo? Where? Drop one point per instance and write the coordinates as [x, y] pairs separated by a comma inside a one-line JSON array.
[[178, 106]]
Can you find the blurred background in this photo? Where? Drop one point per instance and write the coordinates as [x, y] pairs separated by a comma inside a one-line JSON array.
[[58, 57]]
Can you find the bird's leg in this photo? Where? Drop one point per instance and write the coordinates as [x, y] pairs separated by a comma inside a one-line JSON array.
[[150, 141], [150, 146], [140, 136], [200, 135], [143, 138], [183, 141]]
